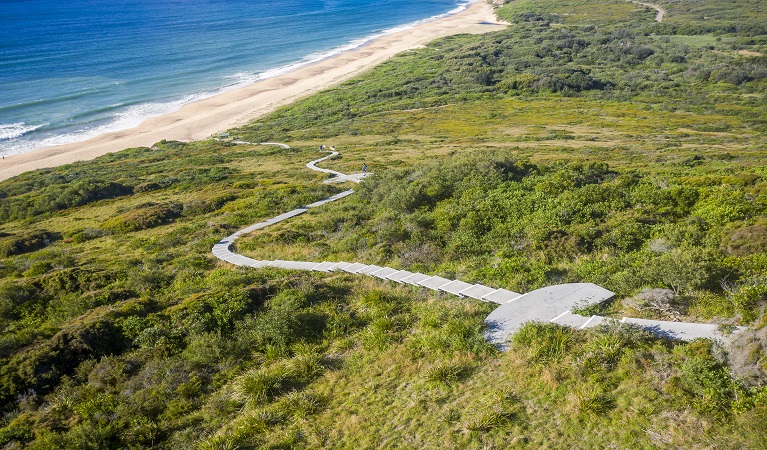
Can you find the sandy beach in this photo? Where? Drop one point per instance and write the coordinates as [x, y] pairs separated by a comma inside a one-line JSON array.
[[200, 120]]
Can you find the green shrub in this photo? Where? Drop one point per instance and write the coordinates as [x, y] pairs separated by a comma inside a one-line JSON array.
[[38, 268], [87, 234], [686, 269], [19, 430], [197, 207], [746, 240], [41, 368], [26, 242], [710, 386], [520, 81], [726, 204], [14, 295], [58, 196], [145, 216], [76, 280], [146, 187]]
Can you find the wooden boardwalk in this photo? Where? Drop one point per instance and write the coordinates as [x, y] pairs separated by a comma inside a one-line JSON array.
[[549, 304]]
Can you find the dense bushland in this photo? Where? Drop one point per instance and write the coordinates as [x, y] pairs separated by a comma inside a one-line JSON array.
[[490, 218], [619, 61], [27, 241]]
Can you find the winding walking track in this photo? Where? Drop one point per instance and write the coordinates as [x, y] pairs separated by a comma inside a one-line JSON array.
[[550, 304], [660, 12]]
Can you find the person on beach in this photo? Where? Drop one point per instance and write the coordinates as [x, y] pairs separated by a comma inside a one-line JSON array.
[[364, 168]]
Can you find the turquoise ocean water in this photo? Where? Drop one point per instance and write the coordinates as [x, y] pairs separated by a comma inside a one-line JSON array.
[[70, 70]]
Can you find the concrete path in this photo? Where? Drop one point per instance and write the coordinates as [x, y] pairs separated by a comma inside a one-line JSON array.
[[338, 177], [549, 304], [660, 12], [684, 331], [542, 305]]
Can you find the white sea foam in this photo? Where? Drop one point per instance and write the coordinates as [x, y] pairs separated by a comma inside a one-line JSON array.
[[243, 78], [15, 130], [134, 115], [130, 117]]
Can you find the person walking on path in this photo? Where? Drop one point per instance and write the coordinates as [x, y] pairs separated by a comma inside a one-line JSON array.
[[322, 147], [332, 148], [364, 168]]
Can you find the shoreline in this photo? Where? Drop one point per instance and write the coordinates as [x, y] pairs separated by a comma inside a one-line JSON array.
[[202, 119]]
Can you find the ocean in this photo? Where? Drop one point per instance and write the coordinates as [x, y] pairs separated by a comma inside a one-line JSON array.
[[71, 70]]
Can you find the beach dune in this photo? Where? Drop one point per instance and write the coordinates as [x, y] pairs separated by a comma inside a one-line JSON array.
[[202, 119]]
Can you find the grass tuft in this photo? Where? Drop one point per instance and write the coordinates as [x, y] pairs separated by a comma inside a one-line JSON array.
[[258, 385], [586, 402], [446, 373]]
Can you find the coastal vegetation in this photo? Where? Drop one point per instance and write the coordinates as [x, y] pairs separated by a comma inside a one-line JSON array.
[[586, 142]]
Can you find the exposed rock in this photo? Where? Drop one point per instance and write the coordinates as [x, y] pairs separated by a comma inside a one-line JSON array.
[[657, 301], [747, 357]]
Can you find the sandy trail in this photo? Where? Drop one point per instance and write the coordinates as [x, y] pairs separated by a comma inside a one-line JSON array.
[[202, 119]]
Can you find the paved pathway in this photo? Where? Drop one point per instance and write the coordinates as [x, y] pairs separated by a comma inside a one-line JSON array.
[[659, 9], [549, 304]]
